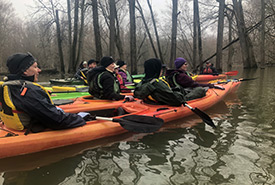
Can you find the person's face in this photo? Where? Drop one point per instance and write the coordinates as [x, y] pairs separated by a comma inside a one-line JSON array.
[[184, 66], [208, 64], [33, 70], [92, 65], [111, 67], [124, 67], [161, 71]]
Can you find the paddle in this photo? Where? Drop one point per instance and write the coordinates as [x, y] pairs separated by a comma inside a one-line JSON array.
[[231, 73], [202, 115], [136, 123], [247, 79]]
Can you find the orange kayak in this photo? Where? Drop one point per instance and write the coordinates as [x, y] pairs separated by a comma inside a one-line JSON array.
[[19, 144], [206, 78]]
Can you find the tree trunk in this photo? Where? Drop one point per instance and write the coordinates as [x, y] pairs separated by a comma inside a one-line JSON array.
[[70, 32], [118, 38], [173, 52], [112, 28], [246, 45], [199, 35], [72, 68], [195, 36], [80, 42], [230, 49], [97, 35], [220, 36], [156, 30], [147, 29], [59, 43], [262, 45], [133, 49]]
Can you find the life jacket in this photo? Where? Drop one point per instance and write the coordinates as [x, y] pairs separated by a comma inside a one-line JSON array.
[[128, 76], [12, 117], [207, 70], [149, 97], [96, 88], [189, 93], [171, 79]]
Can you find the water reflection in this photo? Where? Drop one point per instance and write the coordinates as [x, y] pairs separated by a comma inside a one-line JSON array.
[[240, 151]]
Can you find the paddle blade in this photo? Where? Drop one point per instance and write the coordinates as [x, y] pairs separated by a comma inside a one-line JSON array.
[[231, 73], [139, 123], [204, 117]]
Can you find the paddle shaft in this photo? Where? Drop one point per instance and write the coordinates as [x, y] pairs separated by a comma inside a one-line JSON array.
[[202, 115]]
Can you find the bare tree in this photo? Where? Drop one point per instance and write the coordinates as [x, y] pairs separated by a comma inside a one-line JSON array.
[[197, 40], [229, 15], [195, 32], [74, 63], [147, 28], [97, 34], [81, 31], [59, 43], [175, 13], [69, 31], [156, 30], [220, 35], [117, 36], [112, 28], [262, 44], [245, 42], [133, 49]]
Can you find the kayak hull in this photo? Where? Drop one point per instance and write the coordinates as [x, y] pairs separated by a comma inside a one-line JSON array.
[[36, 142]]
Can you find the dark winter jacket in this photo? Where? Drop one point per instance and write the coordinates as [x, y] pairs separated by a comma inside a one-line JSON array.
[[184, 80], [157, 91], [37, 104], [103, 84]]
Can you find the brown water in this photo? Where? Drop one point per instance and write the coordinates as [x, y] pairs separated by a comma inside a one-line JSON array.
[[240, 151]]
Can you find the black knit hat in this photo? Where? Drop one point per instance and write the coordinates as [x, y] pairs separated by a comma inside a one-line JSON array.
[[20, 62], [92, 61], [106, 61], [120, 63], [152, 68]]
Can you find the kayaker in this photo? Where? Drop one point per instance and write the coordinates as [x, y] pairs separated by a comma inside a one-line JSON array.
[[122, 86], [209, 69], [82, 71], [26, 104], [154, 90], [103, 83], [92, 64], [127, 78], [180, 79]]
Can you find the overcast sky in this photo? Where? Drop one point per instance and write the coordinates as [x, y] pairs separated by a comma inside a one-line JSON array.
[[21, 6]]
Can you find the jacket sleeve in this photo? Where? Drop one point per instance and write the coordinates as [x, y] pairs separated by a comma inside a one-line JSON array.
[[36, 103], [186, 81], [107, 82]]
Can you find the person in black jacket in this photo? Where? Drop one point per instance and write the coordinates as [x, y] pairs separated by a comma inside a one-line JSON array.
[[29, 101], [154, 90], [103, 83]]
